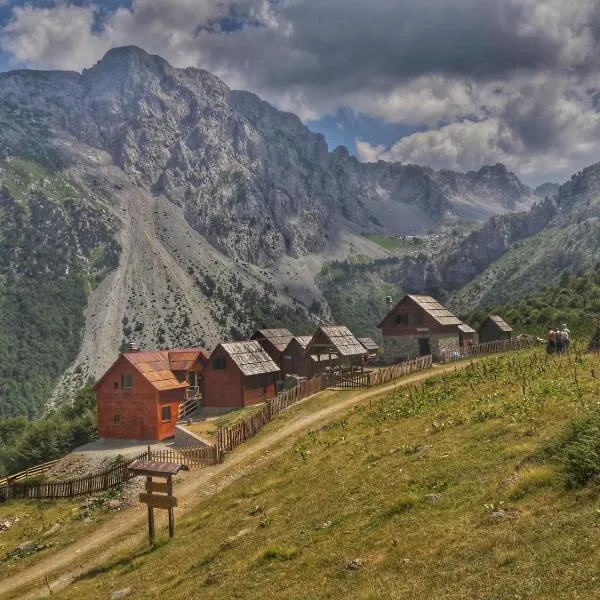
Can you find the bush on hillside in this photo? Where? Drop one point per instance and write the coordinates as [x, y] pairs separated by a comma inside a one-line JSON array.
[[578, 451]]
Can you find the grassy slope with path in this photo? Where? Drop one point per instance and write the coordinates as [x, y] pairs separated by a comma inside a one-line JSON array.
[[101, 544], [432, 487]]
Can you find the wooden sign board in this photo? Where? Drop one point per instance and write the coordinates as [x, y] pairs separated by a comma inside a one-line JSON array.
[[155, 486], [156, 501]]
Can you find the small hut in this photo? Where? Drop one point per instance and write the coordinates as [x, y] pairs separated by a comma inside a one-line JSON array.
[[239, 374], [371, 347], [274, 342], [336, 345], [494, 328]]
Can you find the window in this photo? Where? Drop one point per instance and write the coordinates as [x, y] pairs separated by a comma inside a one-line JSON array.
[[219, 362], [401, 319], [127, 381], [117, 419], [166, 413]]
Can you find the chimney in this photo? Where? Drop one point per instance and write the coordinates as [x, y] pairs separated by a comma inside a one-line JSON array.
[[388, 303], [133, 347]]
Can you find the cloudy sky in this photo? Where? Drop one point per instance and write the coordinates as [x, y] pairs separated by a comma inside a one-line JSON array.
[[448, 83]]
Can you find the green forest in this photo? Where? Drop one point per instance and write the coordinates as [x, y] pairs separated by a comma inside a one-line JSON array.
[[570, 300]]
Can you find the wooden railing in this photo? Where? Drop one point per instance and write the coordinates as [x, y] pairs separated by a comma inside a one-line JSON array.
[[188, 407], [31, 473]]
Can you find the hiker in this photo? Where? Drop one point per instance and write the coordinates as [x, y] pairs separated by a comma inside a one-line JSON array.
[[551, 337], [565, 337], [559, 346]]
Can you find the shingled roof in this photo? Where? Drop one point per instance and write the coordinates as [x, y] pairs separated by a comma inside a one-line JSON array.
[[182, 359], [433, 308], [340, 338], [369, 344], [279, 338], [466, 328], [304, 340], [501, 323], [155, 368], [250, 357]]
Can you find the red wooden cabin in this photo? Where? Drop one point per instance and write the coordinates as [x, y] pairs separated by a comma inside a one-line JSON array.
[[140, 395], [239, 374]]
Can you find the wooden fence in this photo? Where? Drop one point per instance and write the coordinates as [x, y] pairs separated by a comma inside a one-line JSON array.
[[104, 480], [348, 381], [31, 473], [387, 374], [493, 348]]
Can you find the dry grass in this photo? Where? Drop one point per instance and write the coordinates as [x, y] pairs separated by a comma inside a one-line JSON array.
[[433, 489]]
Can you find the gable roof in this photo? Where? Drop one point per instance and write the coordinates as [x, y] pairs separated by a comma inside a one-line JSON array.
[[341, 338], [368, 343], [466, 328], [432, 307], [155, 368], [500, 322], [249, 357], [280, 338], [304, 340], [182, 359]]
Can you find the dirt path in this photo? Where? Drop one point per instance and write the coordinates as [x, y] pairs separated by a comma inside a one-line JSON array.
[[127, 529]]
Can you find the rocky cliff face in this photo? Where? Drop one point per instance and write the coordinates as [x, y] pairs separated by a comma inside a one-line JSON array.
[[254, 180]]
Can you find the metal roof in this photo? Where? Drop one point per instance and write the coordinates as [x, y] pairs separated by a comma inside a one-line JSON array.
[[502, 324], [342, 339], [433, 308], [182, 359], [250, 357], [280, 338], [368, 343], [155, 368], [466, 328]]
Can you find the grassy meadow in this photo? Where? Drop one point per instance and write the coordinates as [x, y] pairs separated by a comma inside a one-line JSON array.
[[480, 483]]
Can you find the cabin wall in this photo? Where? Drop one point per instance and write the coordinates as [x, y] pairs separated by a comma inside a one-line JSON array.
[[172, 399], [398, 348], [490, 332], [135, 407], [222, 388], [258, 388]]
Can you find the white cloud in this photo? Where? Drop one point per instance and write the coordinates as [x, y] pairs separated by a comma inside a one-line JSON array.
[[493, 80]]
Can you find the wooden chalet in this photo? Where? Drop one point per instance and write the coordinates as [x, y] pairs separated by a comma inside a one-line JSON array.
[[334, 346], [239, 374], [142, 393], [419, 326], [371, 347], [295, 359], [494, 328], [274, 342]]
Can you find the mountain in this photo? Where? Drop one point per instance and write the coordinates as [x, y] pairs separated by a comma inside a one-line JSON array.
[[215, 211]]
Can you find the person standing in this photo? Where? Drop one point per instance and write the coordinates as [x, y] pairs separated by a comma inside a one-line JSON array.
[[551, 337], [565, 337], [559, 347]]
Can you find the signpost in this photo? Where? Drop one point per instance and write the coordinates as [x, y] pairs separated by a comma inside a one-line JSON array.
[[158, 494]]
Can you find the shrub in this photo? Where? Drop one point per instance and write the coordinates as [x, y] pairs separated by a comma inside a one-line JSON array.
[[281, 553]]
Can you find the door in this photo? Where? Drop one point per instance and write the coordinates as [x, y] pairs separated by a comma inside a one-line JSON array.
[[424, 347]]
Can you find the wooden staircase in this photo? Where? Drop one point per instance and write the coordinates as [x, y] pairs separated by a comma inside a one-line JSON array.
[[191, 403]]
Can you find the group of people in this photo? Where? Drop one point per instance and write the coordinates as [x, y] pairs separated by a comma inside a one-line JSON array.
[[559, 340]]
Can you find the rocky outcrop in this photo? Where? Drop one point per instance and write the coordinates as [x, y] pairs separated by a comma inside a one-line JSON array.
[[252, 179]]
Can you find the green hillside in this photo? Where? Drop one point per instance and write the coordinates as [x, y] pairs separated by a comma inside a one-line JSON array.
[[570, 299], [54, 247], [477, 484]]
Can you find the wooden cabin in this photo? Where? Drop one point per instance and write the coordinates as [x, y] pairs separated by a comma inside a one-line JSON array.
[[139, 397], [419, 326], [295, 359], [274, 342], [494, 328], [467, 336], [334, 346], [239, 374], [371, 347]]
